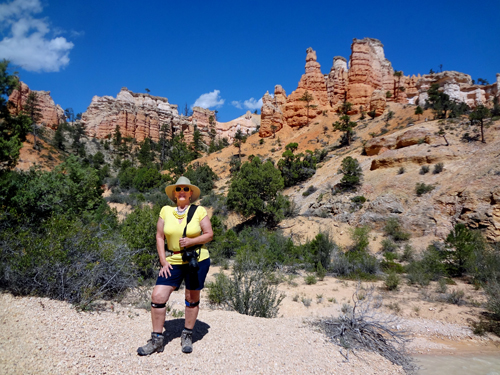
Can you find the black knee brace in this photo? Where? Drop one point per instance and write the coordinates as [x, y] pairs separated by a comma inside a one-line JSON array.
[[158, 305], [193, 304]]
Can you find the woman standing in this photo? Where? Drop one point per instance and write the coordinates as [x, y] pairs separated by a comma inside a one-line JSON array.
[[172, 226]]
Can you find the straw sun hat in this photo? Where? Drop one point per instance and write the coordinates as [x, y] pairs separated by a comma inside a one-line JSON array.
[[183, 181]]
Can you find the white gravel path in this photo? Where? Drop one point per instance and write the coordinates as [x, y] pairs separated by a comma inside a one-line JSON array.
[[42, 336]]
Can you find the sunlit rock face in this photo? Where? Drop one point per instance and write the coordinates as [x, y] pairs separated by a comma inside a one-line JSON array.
[[368, 81], [51, 114], [336, 83], [296, 113], [271, 116], [141, 116]]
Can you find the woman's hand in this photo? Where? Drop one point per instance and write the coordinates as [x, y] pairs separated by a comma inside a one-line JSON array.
[[165, 270], [186, 242]]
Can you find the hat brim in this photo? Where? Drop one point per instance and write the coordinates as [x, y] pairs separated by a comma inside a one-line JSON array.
[[169, 190]]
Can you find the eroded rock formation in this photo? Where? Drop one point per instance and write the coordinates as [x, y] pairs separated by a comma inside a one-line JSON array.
[[51, 114], [271, 116], [336, 83], [247, 123], [141, 116], [459, 87], [296, 112], [368, 82]]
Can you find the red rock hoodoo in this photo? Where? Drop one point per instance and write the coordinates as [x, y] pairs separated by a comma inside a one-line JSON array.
[[368, 82]]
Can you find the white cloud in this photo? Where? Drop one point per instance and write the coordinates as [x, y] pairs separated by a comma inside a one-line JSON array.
[[28, 44], [211, 99], [237, 104], [253, 104]]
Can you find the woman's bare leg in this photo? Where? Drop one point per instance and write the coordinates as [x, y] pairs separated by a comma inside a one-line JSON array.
[[160, 295], [191, 313]]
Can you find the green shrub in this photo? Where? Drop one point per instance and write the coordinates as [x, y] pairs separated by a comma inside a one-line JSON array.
[[391, 266], [493, 293], [422, 188], [139, 229], [297, 168], [356, 265], [455, 297], [311, 189], [126, 177], [438, 168], [269, 249], [218, 290], [358, 199], [392, 281], [65, 259], [146, 179], [310, 280], [429, 267], [401, 170], [250, 292], [468, 246], [320, 271], [319, 250], [442, 286], [69, 189], [425, 169], [390, 256], [202, 176], [408, 254], [394, 230], [389, 246]]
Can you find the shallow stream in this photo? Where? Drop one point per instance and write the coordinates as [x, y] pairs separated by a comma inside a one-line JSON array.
[[481, 364]]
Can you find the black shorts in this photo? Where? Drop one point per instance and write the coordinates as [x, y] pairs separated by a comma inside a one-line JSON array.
[[181, 272]]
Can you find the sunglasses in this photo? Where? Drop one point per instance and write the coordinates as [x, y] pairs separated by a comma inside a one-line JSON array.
[[186, 189]]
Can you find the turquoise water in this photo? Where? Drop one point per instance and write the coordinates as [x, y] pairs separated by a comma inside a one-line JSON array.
[[458, 365]]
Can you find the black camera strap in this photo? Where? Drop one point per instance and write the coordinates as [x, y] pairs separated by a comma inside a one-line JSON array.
[[191, 211], [190, 214]]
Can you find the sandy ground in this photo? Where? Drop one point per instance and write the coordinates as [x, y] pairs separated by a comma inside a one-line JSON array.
[[43, 336]]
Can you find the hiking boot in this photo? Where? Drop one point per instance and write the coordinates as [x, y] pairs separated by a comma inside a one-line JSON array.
[[187, 341], [155, 344]]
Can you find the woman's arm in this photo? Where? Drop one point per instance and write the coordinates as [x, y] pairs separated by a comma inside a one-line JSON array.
[[207, 235], [160, 247]]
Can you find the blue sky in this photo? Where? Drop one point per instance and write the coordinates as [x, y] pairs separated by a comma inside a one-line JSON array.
[[226, 54]]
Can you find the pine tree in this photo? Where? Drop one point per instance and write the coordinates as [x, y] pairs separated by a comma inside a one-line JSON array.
[[117, 137], [197, 144], [345, 124], [163, 142], [419, 111], [13, 130], [308, 98], [145, 154], [352, 174], [478, 116], [59, 138], [33, 111]]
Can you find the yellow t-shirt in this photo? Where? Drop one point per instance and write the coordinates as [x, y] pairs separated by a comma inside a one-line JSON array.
[[174, 230]]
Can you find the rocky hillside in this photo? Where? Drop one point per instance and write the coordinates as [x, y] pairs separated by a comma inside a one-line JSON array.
[[466, 190], [392, 151]]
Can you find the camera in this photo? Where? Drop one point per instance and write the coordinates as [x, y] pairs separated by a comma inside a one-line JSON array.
[[191, 257]]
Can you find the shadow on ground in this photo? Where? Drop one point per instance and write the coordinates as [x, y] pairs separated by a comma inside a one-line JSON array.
[[173, 329]]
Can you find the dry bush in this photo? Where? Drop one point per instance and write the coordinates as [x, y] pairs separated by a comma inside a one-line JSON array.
[[363, 328]]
